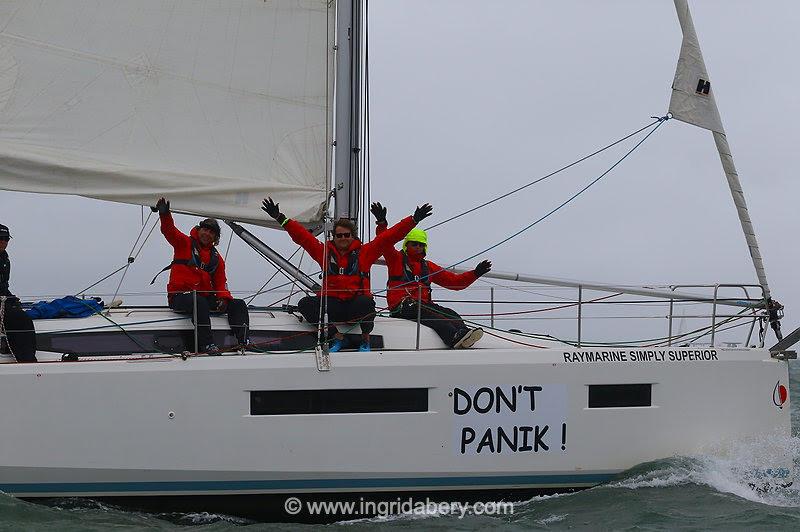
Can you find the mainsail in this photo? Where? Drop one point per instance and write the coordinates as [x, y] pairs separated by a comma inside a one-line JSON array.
[[693, 102], [212, 104]]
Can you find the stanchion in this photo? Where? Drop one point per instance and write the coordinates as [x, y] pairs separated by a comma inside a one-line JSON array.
[[491, 295], [419, 311], [194, 320]]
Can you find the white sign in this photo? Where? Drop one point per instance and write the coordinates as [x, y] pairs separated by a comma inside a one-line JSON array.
[[509, 418]]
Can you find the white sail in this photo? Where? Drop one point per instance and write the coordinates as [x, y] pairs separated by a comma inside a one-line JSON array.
[[212, 104], [693, 102]]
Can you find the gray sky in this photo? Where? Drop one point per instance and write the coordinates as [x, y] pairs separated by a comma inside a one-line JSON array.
[[472, 98]]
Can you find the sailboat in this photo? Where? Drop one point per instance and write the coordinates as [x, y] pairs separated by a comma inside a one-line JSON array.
[[216, 106]]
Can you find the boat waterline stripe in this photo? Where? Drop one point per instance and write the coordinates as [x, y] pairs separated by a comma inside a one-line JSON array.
[[246, 485]]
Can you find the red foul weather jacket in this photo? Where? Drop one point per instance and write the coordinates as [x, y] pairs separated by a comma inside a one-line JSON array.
[[186, 278], [348, 277], [403, 268]]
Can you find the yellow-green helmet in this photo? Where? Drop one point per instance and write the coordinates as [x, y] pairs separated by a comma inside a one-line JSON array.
[[416, 235]]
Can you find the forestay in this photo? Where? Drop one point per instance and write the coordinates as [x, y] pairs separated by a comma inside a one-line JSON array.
[[213, 104]]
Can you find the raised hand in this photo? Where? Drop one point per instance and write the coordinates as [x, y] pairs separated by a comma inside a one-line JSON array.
[[423, 212], [162, 206], [482, 268], [379, 212], [273, 209]]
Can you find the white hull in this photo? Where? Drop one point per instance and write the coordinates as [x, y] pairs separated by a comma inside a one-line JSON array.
[[167, 426]]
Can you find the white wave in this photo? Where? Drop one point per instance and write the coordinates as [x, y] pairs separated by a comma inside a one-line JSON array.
[[766, 471], [555, 518], [205, 518], [658, 478], [539, 498], [388, 518]]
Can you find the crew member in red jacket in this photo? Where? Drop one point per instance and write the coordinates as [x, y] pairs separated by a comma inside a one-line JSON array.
[[346, 263], [410, 278], [198, 267]]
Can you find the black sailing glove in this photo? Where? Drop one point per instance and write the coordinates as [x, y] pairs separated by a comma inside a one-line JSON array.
[[379, 212], [162, 206], [482, 268], [423, 212], [273, 209]]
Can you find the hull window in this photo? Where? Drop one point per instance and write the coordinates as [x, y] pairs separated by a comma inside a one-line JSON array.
[[620, 395], [363, 401]]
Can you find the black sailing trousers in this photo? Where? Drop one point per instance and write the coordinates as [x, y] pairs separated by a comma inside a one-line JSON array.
[[238, 317], [445, 321], [20, 333], [360, 309]]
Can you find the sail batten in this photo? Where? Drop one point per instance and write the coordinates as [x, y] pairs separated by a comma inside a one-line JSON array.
[[211, 104]]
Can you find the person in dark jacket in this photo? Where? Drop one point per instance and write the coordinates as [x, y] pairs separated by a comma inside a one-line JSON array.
[[198, 267], [16, 325], [346, 263], [409, 286]]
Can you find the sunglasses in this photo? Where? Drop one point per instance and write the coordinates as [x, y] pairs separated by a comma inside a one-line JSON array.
[[342, 235]]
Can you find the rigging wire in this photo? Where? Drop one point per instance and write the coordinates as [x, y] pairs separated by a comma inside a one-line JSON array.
[[548, 309], [228, 247], [101, 280], [277, 271], [658, 121], [131, 258], [651, 342], [569, 200], [523, 290], [295, 284]]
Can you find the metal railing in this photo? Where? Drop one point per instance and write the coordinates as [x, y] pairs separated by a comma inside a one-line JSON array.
[[580, 318], [752, 309]]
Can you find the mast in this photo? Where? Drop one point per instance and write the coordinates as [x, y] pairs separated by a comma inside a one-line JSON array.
[[347, 141]]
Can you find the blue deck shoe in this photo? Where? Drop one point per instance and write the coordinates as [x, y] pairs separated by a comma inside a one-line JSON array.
[[336, 345], [364, 347]]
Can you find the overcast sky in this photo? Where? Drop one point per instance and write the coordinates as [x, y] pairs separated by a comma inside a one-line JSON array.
[[471, 98]]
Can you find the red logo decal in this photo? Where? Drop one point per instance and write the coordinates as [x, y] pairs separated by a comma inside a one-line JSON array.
[[780, 394]]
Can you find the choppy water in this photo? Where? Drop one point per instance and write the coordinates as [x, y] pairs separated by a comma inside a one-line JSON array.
[[711, 491]]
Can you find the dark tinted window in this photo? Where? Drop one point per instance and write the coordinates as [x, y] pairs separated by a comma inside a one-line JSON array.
[[617, 395], [283, 402]]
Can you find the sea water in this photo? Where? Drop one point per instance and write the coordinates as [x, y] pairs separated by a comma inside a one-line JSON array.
[[713, 490]]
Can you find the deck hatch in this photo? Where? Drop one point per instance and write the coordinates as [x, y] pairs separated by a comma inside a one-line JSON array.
[[620, 395], [350, 401]]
